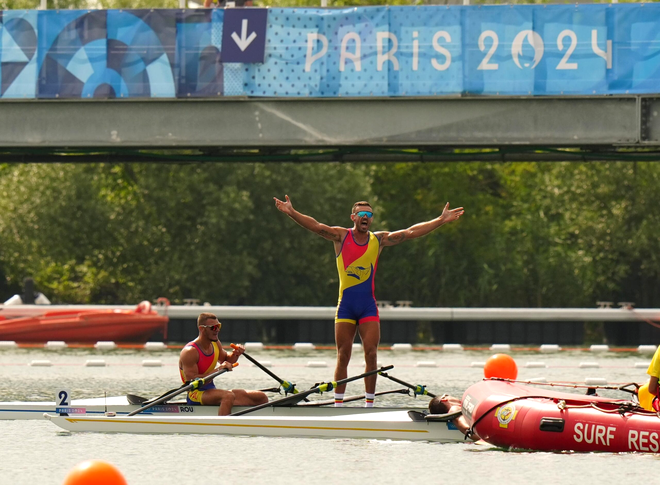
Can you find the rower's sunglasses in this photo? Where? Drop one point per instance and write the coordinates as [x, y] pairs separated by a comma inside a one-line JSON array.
[[369, 214], [215, 327]]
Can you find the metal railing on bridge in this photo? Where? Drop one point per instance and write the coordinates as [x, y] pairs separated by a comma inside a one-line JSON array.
[[400, 313]]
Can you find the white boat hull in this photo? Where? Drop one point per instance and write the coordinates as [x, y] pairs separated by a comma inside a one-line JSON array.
[[389, 425], [120, 406]]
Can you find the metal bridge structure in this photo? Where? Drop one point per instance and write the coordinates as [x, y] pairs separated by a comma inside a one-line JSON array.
[[429, 83], [439, 129]]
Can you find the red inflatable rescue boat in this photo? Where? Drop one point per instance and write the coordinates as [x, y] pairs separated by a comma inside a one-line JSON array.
[[85, 326], [515, 415]]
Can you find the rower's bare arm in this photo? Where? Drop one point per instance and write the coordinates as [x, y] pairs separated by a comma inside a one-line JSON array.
[[188, 362], [421, 229], [463, 427], [225, 360], [222, 354], [331, 233]]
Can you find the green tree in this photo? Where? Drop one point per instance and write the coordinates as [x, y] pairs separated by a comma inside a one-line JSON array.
[[51, 4], [611, 218], [455, 265], [120, 233]]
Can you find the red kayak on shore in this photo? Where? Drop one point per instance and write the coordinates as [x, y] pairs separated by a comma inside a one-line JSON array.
[[84, 326], [515, 415]]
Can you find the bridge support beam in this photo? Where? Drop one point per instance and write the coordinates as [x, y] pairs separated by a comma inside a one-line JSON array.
[[429, 123]]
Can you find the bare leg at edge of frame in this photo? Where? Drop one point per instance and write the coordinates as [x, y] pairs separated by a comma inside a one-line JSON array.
[[370, 335], [344, 337]]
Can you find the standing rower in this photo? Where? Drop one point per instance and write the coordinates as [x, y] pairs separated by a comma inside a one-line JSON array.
[[357, 251], [205, 355]]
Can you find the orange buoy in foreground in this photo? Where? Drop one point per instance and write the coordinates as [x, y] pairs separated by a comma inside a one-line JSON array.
[[502, 366], [95, 472]]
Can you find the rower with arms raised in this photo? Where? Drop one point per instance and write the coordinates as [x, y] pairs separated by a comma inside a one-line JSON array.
[[357, 251]]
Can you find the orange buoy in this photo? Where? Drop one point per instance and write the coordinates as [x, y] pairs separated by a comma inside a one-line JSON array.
[[95, 472], [502, 366]]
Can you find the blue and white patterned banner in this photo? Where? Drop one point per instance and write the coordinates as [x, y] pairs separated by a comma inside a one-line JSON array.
[[370, 51]]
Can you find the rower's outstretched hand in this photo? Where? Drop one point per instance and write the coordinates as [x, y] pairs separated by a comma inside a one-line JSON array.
[[449, 215], [284, 206]]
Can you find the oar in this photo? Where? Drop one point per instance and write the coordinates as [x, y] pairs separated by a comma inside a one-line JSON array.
[[271, 389], [319, 388], [286, 385], [186, 387], [328, 402], [417, 390], [133, 399]]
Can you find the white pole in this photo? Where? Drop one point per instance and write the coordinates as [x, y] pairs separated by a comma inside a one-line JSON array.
[[183, 3], [43, 5], [324, 3]]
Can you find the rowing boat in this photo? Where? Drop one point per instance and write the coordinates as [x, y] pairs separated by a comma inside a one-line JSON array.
[[287, 417], [384, 425], [120, 405], [165, 405]]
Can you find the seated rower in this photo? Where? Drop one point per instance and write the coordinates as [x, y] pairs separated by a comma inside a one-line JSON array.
[[205, 355], [446, 404]]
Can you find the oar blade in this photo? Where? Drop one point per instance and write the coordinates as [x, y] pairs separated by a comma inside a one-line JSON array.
[[135, 400]]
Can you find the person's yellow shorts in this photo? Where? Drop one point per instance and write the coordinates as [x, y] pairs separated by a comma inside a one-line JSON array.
[[195, 397]]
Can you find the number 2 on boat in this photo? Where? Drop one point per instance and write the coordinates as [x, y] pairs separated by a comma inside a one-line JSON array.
[[62, 398]]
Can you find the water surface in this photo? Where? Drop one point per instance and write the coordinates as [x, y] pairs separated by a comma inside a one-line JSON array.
[[37, 452]]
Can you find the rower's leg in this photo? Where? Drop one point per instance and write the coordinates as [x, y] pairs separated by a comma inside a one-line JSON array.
[[370, 335], [249, 398], [344, 336], [225, 399]]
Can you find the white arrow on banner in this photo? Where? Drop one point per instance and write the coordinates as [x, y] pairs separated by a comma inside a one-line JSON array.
[[243, 41]]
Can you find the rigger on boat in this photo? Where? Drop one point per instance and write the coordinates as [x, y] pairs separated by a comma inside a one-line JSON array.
[[517, 415]]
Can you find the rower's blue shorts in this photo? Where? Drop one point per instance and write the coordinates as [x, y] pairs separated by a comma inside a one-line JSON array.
[[357, 310]]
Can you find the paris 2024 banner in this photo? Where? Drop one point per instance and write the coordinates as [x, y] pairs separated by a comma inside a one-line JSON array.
[[504, 50]]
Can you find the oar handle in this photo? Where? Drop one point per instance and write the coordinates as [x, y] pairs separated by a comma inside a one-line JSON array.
[[288, 386], [191, 385], [421, 390]]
